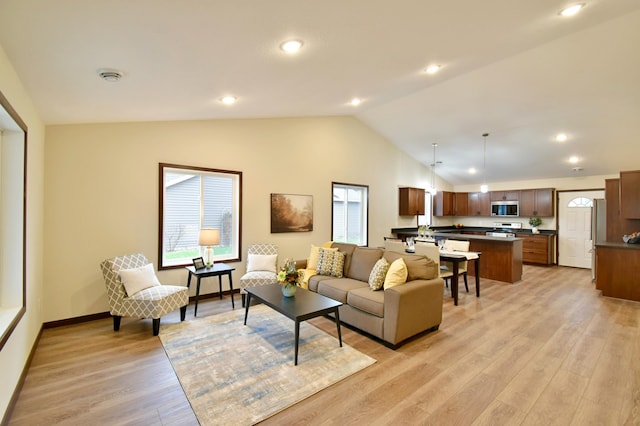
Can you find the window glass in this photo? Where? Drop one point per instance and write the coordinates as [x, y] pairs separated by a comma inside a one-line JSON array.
[[192, 199], [580, 202], [349, 213]]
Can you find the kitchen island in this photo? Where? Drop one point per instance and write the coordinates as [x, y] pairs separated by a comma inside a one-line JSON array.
[[501, 258], [617, 266]]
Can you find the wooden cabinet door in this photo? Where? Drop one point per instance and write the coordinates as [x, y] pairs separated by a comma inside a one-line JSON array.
[[536, 202], [544, 202], [479, 204], [411, 201], [505, 195], [630, 194], [461, 204], [443, 203]]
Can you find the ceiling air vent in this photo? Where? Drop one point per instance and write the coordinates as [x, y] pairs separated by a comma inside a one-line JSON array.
[[109, 75]]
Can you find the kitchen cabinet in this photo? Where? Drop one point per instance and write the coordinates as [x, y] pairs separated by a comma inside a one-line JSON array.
[[536, 248], [505, 195], [630, 194], [479, 204], [617, 226], [617, 267], [443, 203], [411, 201], [536, 202], [461, 204]]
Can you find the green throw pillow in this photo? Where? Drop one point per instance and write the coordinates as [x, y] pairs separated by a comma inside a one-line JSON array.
[[378, 273], [330, 262]]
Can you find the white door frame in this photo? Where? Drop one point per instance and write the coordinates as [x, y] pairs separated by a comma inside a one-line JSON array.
[[588, 193]]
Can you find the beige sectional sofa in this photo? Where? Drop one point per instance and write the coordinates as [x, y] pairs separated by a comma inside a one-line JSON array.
[[394, 314]]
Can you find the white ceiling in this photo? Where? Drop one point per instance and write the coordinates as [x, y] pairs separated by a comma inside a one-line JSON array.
[[514, 69]]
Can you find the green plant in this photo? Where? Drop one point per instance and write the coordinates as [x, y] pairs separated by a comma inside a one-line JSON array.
[[535, 221]]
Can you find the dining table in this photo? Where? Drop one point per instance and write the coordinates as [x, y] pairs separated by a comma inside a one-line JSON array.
[[455, 257]]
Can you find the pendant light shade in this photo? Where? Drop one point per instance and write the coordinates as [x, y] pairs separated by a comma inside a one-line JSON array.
[[484, 188]]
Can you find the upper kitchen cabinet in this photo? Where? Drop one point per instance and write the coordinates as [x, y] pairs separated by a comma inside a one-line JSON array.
[[479, 204], [461, 204], [443, 203], [505, 195], [630, 194], [411, 201], [536, 202]]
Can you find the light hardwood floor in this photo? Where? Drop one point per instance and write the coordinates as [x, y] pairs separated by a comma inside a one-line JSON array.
[[548, 350]]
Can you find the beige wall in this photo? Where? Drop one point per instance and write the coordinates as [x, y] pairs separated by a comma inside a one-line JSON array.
[[102, 190], [15, 352]]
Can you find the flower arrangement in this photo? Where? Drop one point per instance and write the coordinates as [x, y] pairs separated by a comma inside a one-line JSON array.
[[288, 274]]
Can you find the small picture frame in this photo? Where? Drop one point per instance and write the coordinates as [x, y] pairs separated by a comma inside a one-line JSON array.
[[198, 263]]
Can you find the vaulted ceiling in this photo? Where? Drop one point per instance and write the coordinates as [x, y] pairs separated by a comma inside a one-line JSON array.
[[516, 70]]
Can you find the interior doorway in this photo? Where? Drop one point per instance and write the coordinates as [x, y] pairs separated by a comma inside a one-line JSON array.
[[574, 227]]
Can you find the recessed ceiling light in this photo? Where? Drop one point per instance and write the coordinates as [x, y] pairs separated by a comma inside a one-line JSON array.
[[573, 159], [355, 101], [291, 46], [572, 10], [472, 171], [228, 100], [432, 69], [109, 74], [561, 137]]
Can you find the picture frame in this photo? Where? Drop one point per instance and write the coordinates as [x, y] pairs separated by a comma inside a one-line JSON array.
[[198, 263], [291, 213]]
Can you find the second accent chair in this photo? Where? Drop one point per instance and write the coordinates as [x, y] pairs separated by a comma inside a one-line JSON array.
[[262, 260]]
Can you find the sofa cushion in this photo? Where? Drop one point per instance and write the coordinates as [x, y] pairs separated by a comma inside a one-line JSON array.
[[347, 249], [337, 289], [362, 262], [419, 267], [330, 262], [371, 302], [316, 279], [378, 274], [397, 274]]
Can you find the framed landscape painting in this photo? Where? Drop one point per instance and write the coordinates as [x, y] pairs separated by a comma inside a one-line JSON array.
[[291, 213]]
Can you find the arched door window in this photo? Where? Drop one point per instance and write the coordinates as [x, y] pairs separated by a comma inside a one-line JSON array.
[[580, 202]]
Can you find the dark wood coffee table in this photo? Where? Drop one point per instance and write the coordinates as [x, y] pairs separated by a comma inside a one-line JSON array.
[[303, 306]]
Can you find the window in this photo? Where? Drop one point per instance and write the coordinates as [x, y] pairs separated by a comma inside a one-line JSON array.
[[13, 208], [427, 218], [350, 213], [192, 198], [580, 202]]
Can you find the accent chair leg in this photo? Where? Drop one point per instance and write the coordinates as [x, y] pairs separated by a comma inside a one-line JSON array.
[[156, 326], [183, 312], [116, 322], [244, 297]]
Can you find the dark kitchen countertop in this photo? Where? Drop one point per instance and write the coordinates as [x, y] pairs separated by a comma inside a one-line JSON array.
[[452, 229]]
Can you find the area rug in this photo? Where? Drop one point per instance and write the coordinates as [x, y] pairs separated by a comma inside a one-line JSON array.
[[237, 374]]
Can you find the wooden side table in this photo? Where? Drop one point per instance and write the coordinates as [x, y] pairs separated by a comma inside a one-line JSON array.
[[217, 270]]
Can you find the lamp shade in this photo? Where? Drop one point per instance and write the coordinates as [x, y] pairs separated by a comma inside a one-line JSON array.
[[209, 237]]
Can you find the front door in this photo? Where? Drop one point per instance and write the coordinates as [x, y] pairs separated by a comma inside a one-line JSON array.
[[574, 228]]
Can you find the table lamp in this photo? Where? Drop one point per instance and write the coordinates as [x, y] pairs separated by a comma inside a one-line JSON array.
[[209, 237]]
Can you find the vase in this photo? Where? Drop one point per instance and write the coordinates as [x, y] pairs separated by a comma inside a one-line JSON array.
[[288, 290]]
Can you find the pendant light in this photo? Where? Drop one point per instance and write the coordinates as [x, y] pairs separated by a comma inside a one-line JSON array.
[[433, 190], [484, 188]]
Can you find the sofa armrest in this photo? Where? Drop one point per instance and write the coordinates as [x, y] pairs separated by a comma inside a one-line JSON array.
[[412, 308]]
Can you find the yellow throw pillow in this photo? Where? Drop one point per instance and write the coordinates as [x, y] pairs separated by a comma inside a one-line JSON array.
[[312, 260], [397, 274]]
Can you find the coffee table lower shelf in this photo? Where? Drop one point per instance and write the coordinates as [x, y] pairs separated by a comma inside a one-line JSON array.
[[301, 307]]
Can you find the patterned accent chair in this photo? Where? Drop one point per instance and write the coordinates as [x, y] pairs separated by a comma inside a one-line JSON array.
[[152, 302], [256, 278]]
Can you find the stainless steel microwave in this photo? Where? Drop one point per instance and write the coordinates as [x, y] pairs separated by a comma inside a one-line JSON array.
[[505, 208]]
